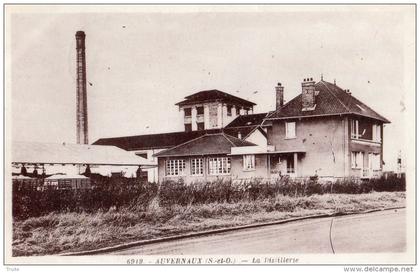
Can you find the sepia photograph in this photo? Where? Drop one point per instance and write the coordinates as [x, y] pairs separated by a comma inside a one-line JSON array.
[[210, 134]]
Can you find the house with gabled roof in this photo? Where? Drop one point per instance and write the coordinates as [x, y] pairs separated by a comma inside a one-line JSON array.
[[324, 131]]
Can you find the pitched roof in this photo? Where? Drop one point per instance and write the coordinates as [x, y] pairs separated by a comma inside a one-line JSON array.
[[214, 95], [246, 124], [234, 131], [167, 140], [56, 153], [152, 141], [331, 100], [247, 120], [208, 144]]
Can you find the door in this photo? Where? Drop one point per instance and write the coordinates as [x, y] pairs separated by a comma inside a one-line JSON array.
[[290, 165]]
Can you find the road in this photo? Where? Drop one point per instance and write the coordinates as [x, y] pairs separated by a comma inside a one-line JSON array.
[[373, 232]]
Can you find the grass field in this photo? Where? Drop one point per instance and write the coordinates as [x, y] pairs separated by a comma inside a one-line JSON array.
[[63, 232]]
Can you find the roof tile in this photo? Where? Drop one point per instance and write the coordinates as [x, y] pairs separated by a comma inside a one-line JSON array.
[[213, 95], [209, 144], [331, 100]]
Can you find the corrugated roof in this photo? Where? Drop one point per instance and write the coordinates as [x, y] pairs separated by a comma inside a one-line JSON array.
[[209, 144], [214, 95], [331, 100], [54, 153]]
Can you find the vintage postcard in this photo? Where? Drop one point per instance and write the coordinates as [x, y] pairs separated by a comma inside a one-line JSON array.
[[210, 134]]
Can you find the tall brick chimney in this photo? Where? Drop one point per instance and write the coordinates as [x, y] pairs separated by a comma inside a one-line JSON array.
[[308, 94], [279, 96], [81, 115]]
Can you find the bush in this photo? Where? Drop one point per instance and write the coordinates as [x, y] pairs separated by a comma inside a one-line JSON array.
[[106, 193], [128, 193]]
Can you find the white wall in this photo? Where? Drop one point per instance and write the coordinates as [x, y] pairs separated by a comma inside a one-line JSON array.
[[257, 138], [152, 173]]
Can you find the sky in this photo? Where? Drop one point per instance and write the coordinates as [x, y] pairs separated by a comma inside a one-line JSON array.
[[142, 60]]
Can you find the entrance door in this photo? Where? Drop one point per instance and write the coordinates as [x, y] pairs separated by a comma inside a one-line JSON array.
[[290, 165]]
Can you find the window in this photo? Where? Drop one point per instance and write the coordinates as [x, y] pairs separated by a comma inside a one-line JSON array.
[[64, 184], [200, 110], [353, 160], [238, 111], [229, 110], [356, 160], [116, 174], [219, 165], [376, 162], [290, 129], [188, 127], [249, 162], [200, 125], [187, 112], [376, 133], [196, 166], [175, 167], [354, 128], [144, 155]]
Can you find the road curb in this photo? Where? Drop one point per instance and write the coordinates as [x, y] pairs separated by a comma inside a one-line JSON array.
[[216, 231]]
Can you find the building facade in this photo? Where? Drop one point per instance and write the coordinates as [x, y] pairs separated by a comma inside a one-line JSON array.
[[212, 109], [206, 158], [68, 166], [328, 132], [205, 112], [325, 131]]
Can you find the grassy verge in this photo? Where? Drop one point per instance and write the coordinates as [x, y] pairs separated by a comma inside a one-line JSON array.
[[63, 232]]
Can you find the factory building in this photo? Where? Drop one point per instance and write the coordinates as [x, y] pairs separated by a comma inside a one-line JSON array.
[[325, 131]]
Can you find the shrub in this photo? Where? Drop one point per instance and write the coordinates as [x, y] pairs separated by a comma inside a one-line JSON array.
[[130, 194]]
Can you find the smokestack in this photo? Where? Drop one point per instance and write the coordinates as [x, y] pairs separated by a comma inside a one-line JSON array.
[[81, 115], [279, 96]]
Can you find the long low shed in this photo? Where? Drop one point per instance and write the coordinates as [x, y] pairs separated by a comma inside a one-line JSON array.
[[74, 158]]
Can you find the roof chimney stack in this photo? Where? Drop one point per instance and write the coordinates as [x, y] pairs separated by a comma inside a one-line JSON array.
[[279, 96], [81, 114], [308, 94]]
